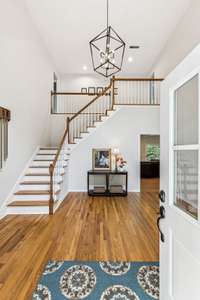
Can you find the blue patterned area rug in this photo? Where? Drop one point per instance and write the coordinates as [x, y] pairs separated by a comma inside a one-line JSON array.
[[76, 280]]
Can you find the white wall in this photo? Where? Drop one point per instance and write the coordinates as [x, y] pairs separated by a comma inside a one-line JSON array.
[[123, 131], [74, 82], [26, 77], [184, 38]]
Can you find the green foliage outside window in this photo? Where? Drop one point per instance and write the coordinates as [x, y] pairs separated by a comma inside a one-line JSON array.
[[153, 152]]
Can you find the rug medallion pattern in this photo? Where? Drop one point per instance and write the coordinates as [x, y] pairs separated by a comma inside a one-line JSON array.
[[65, 280]]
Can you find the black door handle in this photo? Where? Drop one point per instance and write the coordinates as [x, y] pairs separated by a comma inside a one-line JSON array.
[[162, 216], [162, 196]]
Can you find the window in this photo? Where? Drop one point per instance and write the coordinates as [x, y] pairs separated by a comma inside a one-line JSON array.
[[152, 152], [186, 147]]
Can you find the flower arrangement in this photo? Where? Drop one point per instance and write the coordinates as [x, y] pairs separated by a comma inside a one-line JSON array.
[[121, 163]]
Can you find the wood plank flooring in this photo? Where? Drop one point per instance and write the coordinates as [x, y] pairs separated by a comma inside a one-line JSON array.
[[151, 185], [83, 228]]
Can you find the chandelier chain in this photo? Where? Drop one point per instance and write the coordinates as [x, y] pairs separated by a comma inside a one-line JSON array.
[[107, 13]]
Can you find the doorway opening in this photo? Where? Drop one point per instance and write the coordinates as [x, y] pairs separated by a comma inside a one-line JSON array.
[[149, 163]]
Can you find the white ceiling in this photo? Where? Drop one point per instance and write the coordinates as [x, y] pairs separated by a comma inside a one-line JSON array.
[[67, 27]]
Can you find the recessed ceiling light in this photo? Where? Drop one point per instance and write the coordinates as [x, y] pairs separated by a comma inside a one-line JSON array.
[[130, 59], [84, 68]]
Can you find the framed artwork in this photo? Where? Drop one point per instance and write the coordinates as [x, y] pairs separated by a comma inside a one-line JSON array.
[[91, 90], [100, 90], [101, 159], [84, 90]]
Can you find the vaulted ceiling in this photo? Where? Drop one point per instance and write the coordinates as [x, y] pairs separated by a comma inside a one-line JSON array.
[[66, 28]]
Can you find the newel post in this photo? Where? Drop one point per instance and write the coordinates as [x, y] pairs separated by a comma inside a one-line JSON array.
[[68, 128], [113, 91], [51, 199]]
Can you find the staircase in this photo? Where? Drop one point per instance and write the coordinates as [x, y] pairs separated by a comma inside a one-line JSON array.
[[39, 191], [33, 192]]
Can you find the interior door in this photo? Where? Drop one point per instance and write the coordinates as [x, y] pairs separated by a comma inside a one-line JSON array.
[[180, 182]]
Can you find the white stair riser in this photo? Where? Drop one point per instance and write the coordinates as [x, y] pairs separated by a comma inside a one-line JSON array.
[[36, 178], [30, 197], [51, 157], [38, 170], [26, 210], [47, 164], [48, 151], [41, 163], [34, 187], [42, 170]]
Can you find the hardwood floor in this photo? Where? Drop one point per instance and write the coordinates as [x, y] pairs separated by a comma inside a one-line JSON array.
[[83, 228], [151, 185]]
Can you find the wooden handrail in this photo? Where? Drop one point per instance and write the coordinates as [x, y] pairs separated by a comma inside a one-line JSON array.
[[137, 79], [4, 113], [92, 101], [51, 171]]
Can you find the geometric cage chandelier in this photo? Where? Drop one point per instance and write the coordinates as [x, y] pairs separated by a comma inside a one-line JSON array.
[[107, 51]]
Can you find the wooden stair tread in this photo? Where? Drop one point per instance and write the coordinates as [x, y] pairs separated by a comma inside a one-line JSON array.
[[41, 174], [48, 148], [38, 182], [34, 192], [39, 167], [31, 203], [34, 182], [43, 160], [45, 154], [37, 174]]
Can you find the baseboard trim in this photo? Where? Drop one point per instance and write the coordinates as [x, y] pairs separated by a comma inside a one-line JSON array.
[[3, 212], [77, 191]]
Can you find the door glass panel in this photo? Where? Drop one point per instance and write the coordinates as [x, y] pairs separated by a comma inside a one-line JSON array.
[[186, 113], [186, 181]]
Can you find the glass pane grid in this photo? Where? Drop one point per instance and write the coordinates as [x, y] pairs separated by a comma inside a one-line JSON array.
[[186, 148], [186, 181]]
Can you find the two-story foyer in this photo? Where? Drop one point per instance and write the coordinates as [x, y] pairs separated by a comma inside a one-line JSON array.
[[99, 150]]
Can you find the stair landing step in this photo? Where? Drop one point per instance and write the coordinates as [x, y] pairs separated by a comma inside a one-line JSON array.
[[30, 203]]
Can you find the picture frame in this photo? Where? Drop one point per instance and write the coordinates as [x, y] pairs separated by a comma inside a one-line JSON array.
[[84, 90], [115, 91], [101, 159], [91, 90], [100, 90]]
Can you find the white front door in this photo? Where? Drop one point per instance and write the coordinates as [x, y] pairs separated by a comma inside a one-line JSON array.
[[180, 181]]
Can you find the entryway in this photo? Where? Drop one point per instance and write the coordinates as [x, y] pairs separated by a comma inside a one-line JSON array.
[[149, 163]]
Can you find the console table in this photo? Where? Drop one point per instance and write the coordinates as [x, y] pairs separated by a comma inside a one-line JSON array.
[[107, 189]]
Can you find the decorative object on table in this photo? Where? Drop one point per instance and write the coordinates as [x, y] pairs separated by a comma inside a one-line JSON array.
[[91, 90], [107, 50], [84, 90], [116, 189], [102, 280], [101, 159], [115, 91], [99, 189], [116, 153], [121, 163], [100, 90]]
